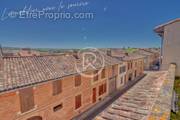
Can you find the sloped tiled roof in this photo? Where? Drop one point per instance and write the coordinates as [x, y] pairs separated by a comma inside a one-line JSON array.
[[21, 71], [17, 72], [154, 51], [132, 56], [128, 57], [160, 29], [144, 52], [122, 55]]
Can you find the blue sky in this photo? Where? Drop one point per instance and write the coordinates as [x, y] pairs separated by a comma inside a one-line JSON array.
[[116, 23]]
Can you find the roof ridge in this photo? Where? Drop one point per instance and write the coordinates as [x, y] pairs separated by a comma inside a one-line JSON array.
[[32, 56]]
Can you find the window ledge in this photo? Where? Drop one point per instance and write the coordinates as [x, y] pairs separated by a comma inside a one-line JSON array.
[[20, 113]]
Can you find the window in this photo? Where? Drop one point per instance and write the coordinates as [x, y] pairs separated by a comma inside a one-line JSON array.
[[102, 89], [77, 80], [113, 70], [136, 64], [122, 69], [77, 101], [58, 107], [129, 66], [103, 74], [135, 74], [57, 87], [96, 75], [26, 99]]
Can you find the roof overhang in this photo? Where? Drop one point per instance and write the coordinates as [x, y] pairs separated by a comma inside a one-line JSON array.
[[160, 29]]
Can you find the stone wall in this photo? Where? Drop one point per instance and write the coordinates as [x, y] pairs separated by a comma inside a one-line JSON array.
[[162, 107]]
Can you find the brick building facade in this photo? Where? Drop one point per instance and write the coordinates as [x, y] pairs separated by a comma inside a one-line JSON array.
[[49, 87]]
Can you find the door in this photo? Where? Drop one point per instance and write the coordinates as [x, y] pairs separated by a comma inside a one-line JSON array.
[[94, 95], [112, 85], [130, 77], [135, 75]]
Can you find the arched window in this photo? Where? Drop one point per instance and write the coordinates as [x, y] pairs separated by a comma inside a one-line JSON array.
[[35, 118]]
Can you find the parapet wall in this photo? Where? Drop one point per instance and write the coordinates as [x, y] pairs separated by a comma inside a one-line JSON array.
[[162, 108]]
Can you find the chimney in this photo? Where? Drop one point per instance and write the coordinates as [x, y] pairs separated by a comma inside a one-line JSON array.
[[126, 54], [109, 52], [75, 54], [27, 49]]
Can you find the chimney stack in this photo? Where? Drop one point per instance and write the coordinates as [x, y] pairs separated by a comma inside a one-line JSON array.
[[109, 52], [75, 54], [126, 54]]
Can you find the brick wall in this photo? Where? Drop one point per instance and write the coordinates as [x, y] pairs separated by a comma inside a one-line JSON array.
[[45, 101]]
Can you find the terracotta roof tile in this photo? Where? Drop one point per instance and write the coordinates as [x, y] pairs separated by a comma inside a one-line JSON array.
[[17, 72]]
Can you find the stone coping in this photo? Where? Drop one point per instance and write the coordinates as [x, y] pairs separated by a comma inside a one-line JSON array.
[[162, 107]]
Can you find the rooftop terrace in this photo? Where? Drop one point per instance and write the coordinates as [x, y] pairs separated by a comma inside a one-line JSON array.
[[149, 99]]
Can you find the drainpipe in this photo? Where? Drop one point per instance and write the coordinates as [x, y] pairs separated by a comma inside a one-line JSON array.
[[161, 57], [161, 46]]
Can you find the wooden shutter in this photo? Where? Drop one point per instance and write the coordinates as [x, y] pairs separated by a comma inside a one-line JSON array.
[[26, 99], [105, 87], [103, 73], [77, 101], [96, 75], [94, 95], [57, 87], [101, 91], [77, 80]]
